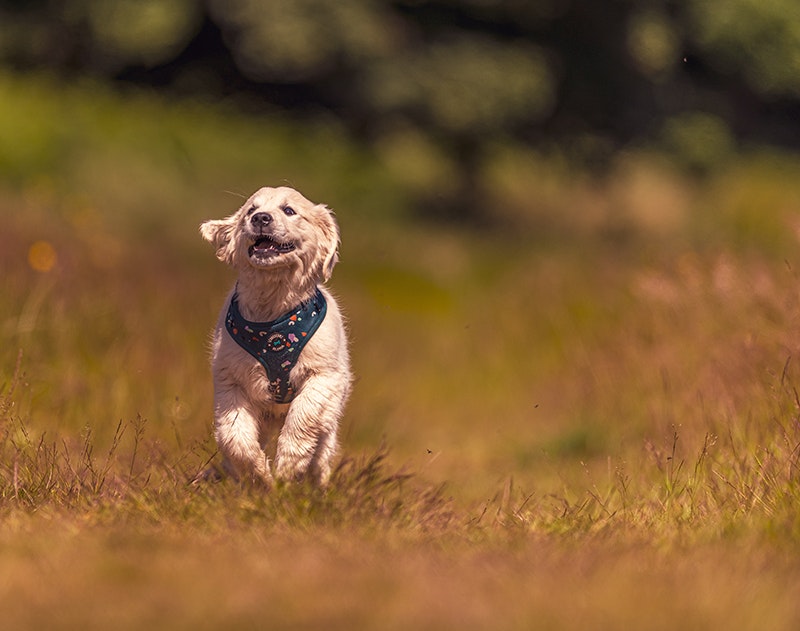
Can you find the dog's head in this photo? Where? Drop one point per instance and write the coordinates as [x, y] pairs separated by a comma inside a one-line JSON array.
[[277, 229]]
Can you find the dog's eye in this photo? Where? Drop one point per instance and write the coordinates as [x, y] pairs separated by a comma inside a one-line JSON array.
[[289, 211]]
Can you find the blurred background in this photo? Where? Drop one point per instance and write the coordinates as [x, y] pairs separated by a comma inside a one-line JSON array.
[[551, 210], [448, 92]]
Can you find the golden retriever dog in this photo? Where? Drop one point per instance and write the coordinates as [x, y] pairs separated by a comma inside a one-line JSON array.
[[280, 360]]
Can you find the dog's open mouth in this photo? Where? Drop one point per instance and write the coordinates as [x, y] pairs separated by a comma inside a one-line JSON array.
[[266, 246]]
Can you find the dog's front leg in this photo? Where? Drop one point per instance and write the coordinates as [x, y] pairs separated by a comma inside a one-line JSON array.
[[236, 429], [307, 442]]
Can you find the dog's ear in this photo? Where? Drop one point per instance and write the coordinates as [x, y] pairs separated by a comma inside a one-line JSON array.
[[219, 232], [330, 241]]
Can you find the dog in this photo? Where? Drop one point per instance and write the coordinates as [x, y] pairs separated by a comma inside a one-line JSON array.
[[279, 352]]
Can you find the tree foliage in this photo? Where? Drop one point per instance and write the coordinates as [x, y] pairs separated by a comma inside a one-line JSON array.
[[585, 74]]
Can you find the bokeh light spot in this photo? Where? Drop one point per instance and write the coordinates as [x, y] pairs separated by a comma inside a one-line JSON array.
[[42, 256]]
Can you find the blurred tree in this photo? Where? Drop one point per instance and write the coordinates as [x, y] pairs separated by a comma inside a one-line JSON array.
[[101, 36], [756, 40], [301, 40], [146, 32], [445, 80]]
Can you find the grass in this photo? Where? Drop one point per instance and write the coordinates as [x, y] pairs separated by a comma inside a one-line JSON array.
[[587, 417]]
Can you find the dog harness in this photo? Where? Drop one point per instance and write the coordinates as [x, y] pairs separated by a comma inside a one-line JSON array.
[[277, 344]]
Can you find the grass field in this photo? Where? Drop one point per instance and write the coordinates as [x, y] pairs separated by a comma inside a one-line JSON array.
[[583, 415]]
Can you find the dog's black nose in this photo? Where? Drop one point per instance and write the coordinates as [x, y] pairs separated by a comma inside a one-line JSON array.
[[261, 220]]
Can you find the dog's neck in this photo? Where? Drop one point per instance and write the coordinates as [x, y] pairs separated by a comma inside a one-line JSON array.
[[264, 295]]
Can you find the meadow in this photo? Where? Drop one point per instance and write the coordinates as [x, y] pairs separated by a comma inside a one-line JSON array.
[[582, 413]]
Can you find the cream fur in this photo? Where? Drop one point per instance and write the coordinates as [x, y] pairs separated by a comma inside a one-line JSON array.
[[246, 420]]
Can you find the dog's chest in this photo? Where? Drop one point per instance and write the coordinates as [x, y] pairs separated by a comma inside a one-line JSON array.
[[277, 345]]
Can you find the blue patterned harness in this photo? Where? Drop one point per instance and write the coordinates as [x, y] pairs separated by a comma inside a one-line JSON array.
[[277, 344]]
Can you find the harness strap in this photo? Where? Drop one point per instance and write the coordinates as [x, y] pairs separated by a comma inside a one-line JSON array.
[[277, 344]]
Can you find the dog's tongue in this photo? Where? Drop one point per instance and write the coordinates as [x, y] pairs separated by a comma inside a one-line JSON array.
[[263, 245]]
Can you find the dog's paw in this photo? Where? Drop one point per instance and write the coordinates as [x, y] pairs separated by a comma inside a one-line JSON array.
[[291, 468], [209, 474]]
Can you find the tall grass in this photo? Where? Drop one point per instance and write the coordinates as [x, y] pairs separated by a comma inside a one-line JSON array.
[[580, 403], [139, 479]]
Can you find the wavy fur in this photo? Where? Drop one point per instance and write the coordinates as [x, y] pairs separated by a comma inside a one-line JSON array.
[[270, 283]]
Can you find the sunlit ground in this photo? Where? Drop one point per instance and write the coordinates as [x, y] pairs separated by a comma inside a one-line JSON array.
[[582, 415]]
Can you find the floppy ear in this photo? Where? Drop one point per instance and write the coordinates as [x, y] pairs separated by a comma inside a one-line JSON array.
[[330, 242], [219, 232]]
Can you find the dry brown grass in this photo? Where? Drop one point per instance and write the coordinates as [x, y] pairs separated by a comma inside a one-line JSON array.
[[635, 463], [595, 428]]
